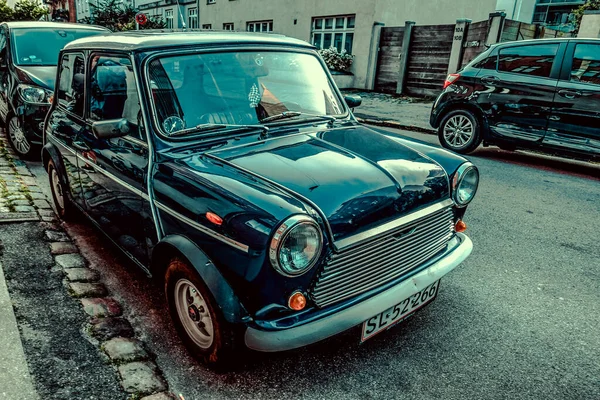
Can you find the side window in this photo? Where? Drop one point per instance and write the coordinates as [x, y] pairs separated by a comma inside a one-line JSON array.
[[533, 60], [487, 63], [113, 92], [2, 45], [586, 64], [70, 83]]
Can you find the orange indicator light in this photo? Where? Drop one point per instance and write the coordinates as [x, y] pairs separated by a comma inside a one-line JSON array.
[[460, 226], [297, 301], [214, 218]]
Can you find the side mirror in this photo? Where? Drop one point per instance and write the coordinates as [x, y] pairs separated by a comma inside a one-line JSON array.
[[353, 100], [111, 128]]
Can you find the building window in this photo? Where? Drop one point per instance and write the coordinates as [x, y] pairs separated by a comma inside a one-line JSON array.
[[169, 18], [334, 31], [228, 26], [260, 26], [193, 18], [206, 26]]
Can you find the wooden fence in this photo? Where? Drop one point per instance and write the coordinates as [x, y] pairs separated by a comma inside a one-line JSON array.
[[388, 62], [477, 34]]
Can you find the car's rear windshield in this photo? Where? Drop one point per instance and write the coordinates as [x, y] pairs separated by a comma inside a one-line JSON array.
[[40, 46]]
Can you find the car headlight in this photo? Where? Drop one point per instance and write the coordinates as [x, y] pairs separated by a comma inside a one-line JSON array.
[[34, 94], [296, 246], [464, 184]]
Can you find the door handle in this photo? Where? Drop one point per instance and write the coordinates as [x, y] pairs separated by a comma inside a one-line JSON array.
[[490, 80], [570, 94], [80, 146]]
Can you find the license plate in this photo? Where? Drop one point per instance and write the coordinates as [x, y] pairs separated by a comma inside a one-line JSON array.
[[399, 312]]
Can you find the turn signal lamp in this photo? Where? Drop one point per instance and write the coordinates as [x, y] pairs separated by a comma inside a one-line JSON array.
[[297, 301], [460, 226], [214, 218]]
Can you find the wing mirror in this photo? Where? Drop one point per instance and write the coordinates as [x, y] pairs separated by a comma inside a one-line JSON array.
[[111, 128], [353, 100]]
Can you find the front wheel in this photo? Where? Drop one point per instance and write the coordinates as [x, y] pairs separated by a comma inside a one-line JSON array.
[[197, 318], [18, 139], [460, 131]]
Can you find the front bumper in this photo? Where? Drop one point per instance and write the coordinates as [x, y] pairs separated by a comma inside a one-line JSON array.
[[312, 332]]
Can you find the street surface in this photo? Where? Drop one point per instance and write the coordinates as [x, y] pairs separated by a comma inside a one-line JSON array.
[[518, 320]]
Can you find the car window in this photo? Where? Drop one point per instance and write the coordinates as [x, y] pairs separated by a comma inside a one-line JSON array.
[[532, 60], [487, 63], [2, 46], [586, 64], [113, 92], [70, 83], [41, 46]]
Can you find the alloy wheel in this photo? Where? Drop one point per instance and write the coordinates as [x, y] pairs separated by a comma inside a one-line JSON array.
[[17, 136], [458, 131], [194, 313], [57, 189]]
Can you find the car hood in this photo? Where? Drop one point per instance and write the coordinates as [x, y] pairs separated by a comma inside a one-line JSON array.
[[40, 76], [358, 178]]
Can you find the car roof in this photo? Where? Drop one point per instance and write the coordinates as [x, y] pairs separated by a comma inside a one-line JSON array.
[[55, 25], [154, 39], [559, 39]]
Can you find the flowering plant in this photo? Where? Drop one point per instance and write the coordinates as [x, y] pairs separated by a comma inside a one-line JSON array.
[[337, 60]]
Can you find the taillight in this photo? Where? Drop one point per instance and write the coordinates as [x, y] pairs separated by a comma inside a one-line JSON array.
[[450, 79]]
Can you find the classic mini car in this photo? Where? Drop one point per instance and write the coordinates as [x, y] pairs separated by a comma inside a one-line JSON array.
[[535, 94], [272, 217], [28, 57]]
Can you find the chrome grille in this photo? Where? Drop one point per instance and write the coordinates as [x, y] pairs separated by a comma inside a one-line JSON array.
[[364, 267]]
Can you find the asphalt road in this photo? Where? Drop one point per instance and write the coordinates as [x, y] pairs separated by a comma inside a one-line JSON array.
[[518, 320]]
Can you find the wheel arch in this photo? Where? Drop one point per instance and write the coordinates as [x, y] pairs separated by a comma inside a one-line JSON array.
[[180, 246], [50, 152], [477, 111]]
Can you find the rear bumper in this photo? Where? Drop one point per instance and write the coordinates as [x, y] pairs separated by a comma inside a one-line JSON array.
[[312, 332]]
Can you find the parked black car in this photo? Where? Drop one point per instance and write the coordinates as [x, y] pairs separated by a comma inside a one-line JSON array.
[[533, 94], [28, 58], [228, 166]]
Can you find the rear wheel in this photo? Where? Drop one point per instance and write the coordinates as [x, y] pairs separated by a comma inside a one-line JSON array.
[[18, 139], [62, 203], [460, 131], [197, 318]]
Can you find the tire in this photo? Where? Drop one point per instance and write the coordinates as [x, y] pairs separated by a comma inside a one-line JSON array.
[[460, 131], [62, 203], [19, 141], [197, 318]]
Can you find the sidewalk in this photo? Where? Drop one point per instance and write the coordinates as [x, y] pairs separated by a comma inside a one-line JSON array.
[[396, 112], [15, 379]]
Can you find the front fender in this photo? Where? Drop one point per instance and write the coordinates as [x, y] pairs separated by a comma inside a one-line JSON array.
[[51, 152], [225, 298]]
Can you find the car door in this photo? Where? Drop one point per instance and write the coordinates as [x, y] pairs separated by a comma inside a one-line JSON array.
[[65, 121], [519, 94], [114, 187], [575, 119], [4, 73]]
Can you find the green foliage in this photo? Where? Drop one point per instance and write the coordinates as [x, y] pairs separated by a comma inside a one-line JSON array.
[[6, 13], [587, 6], [28, 10], [337, 60], [116, 17]]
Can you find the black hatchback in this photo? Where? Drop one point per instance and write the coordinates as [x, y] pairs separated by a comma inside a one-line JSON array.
[[533, 94], [28, 58]]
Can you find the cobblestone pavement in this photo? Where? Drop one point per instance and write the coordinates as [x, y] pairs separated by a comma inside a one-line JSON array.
[[20, 197]]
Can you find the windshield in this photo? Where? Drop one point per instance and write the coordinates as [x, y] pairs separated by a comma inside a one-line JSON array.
[[238, 88], [41, 46]]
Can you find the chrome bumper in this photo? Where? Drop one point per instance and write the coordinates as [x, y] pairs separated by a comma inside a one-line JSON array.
[[303, 335]]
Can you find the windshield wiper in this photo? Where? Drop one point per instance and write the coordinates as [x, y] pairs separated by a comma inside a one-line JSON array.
[[228, 129], [291, 114]]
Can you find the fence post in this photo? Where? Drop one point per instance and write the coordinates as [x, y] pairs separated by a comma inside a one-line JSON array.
[[404, 55], [458, 44], [373, 55], [496, 26]]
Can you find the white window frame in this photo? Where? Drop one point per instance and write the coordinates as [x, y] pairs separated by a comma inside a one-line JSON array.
[[228, 26], [193, 18], [322, 30], [257, 26], [169, 18]]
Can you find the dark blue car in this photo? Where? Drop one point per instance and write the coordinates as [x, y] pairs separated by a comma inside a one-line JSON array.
[[229, 165]]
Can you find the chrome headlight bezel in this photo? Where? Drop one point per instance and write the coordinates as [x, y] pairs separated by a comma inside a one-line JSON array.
[[34, 94], [464, 170], [281, 235]]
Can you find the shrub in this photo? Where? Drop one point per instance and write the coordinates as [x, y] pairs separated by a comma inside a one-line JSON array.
[[337, 60]]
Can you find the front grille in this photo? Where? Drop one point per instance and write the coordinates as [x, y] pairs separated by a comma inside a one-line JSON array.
[[372, 264]]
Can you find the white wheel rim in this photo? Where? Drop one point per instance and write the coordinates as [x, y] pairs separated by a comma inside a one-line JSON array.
[[194, 314], [17, 136], [458, 131], [57, 189]]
